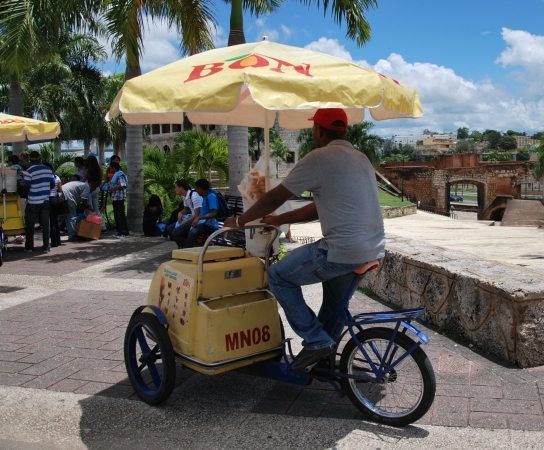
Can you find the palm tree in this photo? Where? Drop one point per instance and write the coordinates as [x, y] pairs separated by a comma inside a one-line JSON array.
[[538, 171], [201, 153], [114, 131], [30, 31], [280, 152], [357, 134], [358, 29], [125, 20], [360, 138], [256, 138]]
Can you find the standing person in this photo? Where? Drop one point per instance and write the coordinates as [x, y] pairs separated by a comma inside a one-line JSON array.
[[118, 192], [189, 209], [152, 215], [352, 225], [39, 181], [80, 167], [54, 206], [92, 176], [205, 221], [74, 193], [24, 160]]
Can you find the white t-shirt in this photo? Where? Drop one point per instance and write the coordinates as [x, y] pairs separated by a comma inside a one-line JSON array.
[[192, 200], [343, 183]]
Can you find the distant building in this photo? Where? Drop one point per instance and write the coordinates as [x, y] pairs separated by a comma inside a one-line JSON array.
[[413, 139], [524, 141]]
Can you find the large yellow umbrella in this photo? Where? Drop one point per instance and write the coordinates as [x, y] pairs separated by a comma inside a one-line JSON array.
[[251, 84], [16, 129]]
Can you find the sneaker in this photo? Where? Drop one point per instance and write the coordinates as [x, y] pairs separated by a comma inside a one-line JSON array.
[[73, 239], [46, 249], [28, 250], [127, 236], [308, 357], [19, 239], [119, 236]]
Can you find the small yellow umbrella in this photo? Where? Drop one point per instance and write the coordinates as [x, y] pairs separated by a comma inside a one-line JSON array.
[[251, 84], [17, 129]]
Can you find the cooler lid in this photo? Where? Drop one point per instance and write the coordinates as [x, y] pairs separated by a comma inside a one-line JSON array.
[[213, 253]]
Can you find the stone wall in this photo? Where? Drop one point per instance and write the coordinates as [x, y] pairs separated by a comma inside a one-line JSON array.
[[398, 211], [499, 308]]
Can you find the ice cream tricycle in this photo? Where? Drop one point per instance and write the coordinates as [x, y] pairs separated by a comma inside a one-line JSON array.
[[210, 310]]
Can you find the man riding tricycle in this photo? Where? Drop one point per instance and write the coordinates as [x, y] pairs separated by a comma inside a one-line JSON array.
[[214, 309]]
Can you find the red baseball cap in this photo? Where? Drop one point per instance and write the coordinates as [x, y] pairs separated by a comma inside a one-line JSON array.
[[325, 117]]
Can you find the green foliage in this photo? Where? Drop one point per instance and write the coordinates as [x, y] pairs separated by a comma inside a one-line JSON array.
[[493, 137], [462, 133], [515, 133], [160, 174], [508, 143], [523, 154], [538, 171], [279, 151], [477, 136], [47, 154], [495, 155], [305, 141], [539, 135], [466, 146], [357, 134], [201, 153], [255, 137]]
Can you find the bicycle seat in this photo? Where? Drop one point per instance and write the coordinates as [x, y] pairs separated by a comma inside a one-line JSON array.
[[367, 266]]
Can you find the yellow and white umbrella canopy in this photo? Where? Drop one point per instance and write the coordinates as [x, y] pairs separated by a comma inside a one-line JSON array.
[[249, 84], [16, 129]]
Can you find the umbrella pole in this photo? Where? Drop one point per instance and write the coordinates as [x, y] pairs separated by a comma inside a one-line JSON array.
[[267, 151], [3, 182]]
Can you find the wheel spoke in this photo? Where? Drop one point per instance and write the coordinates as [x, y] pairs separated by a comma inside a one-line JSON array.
[[155, 375], [142, 340]]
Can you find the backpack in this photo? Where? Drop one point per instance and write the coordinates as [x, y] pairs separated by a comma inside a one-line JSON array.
[[223, 210]]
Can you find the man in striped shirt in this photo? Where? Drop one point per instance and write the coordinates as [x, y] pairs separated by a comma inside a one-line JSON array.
[[39, 180]]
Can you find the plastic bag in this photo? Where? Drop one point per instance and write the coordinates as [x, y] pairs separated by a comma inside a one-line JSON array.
[[253, 185], [94, 218]]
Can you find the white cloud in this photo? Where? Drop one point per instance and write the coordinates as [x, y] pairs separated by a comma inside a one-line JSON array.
[[219, 37], [330, 47], [161, 46], [523, 49], [260, 28], [450, 101]]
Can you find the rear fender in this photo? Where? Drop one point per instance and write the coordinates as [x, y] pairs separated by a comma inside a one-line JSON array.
[[160, 315]]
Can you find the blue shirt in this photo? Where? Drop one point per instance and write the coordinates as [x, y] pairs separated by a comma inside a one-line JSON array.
[[119, 181], [39, 178], [209, 202]]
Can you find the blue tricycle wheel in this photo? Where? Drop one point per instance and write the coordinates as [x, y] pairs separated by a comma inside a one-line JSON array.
[[149, 359]]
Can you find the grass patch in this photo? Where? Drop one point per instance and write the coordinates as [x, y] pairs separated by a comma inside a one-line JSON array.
[[366, 291], [391, 201]]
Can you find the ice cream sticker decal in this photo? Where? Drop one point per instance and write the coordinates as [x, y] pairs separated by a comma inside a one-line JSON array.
[[174, 286], [245, 61]]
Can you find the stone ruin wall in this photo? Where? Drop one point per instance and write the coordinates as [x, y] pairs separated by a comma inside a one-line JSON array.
[[498, 308]]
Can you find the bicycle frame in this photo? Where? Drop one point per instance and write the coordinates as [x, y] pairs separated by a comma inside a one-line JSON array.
[[284, 372]]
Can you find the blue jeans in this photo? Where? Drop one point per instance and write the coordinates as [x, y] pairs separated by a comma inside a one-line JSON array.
[[33, 213], [71, 219], [304, 266]]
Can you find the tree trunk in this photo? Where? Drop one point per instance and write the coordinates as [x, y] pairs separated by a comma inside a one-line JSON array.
[[86, 148], [237, 136], [16, 109], [101, 155], [57, 142], [135, 161]]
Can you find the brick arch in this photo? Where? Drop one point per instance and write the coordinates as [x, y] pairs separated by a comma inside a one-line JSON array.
[[481, 187]]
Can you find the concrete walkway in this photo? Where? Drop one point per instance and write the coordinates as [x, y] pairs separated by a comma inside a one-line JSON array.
[[63, 384]]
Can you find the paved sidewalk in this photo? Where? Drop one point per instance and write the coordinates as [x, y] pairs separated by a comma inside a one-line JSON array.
[[63, 383]]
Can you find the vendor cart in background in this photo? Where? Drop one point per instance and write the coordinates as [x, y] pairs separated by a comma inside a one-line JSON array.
[[16, 129]]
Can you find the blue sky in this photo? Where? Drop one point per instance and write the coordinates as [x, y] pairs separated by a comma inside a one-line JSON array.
[[477, 63]]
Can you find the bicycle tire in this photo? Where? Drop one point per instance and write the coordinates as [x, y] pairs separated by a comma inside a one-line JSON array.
[[155, 384], [379, 400]]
